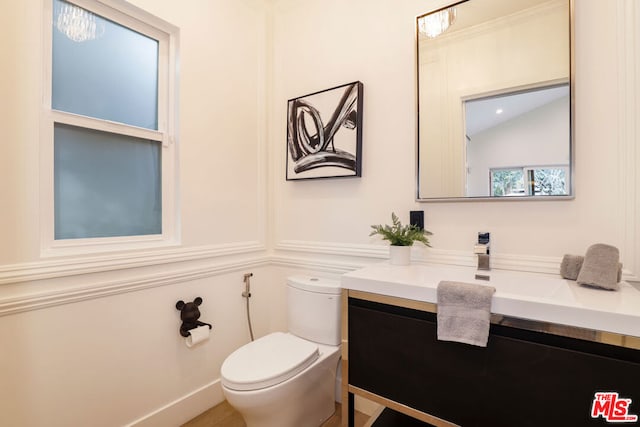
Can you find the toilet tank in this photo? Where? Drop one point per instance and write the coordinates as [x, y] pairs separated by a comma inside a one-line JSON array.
[[314, 309]]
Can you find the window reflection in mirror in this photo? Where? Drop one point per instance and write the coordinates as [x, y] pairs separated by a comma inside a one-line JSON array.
[[529, 181], [509, 132], [494, 79]]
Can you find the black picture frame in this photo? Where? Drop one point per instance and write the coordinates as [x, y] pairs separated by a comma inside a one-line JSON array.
[[324, 133]]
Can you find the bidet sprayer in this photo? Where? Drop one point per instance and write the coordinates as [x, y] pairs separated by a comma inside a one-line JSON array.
[[247, 285]]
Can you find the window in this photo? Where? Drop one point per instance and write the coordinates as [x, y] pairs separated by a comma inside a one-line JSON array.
[[529, 181], [507, 182], [108, 128]]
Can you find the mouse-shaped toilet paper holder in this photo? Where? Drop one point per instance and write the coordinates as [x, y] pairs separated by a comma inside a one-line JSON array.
[[189, 314]]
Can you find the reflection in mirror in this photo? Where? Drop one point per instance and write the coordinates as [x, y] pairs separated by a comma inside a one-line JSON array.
[[494, 100], [517, 143]]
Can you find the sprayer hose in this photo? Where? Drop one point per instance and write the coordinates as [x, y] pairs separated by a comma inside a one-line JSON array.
[[249, 320]]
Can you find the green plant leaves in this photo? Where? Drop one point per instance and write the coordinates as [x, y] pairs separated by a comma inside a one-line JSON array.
[[401, 235]]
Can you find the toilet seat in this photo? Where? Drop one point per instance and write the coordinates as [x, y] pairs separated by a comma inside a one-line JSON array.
[[267, 361]]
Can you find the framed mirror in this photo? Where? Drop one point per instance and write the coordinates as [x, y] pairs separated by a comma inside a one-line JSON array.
[[495, 101]]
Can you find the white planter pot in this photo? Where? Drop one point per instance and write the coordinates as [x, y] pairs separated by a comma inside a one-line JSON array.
[[399, 255]]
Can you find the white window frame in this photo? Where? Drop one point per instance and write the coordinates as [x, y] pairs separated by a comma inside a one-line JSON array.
[[167, 36]]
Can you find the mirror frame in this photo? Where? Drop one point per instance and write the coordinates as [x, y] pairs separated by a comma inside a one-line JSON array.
[[572, 165]]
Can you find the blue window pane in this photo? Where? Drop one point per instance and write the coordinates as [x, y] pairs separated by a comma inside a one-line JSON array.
[[105, 185], [102, 69]]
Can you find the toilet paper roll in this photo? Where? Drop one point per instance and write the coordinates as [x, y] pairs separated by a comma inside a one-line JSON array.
[[197, 335]]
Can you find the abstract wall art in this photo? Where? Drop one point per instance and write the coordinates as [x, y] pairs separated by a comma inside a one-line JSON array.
[[324, 133]]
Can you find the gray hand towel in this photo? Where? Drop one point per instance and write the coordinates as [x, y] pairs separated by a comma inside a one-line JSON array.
[[600, 267], [571, 265], [464, 310]]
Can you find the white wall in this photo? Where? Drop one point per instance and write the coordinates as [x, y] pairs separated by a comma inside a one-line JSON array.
[[222, 122], [319, 44], [109, 361], [94, 340]]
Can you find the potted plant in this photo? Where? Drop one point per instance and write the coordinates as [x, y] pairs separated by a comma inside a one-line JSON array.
[[401, 237]]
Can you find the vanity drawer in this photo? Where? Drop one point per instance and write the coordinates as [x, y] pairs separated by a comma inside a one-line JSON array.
[[521, 378]]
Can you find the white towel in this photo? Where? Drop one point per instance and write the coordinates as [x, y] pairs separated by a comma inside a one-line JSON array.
[[464, 311]]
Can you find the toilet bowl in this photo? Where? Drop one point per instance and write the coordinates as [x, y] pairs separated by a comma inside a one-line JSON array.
[[288, 379]]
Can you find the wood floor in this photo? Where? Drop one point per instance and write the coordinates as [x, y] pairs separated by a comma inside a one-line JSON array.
[[223, 415]]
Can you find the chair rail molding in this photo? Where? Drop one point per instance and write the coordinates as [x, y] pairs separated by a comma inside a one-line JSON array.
[[30, 300], [322, 255], [48, 269]]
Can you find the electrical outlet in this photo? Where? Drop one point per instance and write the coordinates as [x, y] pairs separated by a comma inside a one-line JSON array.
[[417, 218]]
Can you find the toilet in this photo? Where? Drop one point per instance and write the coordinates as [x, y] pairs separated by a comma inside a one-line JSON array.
[[289, 379]]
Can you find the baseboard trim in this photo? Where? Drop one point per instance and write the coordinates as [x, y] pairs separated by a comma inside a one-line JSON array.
[[184, 408]]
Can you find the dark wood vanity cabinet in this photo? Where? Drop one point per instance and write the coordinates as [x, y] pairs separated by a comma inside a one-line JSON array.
[[522, 378]]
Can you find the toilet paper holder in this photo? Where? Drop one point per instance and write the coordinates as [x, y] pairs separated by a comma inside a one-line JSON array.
[[189, 314]]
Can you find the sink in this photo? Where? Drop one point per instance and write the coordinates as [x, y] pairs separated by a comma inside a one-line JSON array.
[[527, 285], [505, 282], [533, 296]]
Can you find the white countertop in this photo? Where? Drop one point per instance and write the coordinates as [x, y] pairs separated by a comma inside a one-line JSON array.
[[518, 294]]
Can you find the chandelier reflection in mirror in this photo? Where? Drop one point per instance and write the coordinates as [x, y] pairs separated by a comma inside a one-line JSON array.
[[436, 23], [76, 23]]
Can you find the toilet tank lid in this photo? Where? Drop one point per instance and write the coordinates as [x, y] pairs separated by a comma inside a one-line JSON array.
[[315, 284]]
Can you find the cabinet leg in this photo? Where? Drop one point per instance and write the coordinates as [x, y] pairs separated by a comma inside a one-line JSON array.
[[351, 410]]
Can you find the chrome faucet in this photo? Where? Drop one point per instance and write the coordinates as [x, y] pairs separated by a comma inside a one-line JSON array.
[[482, 250]]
